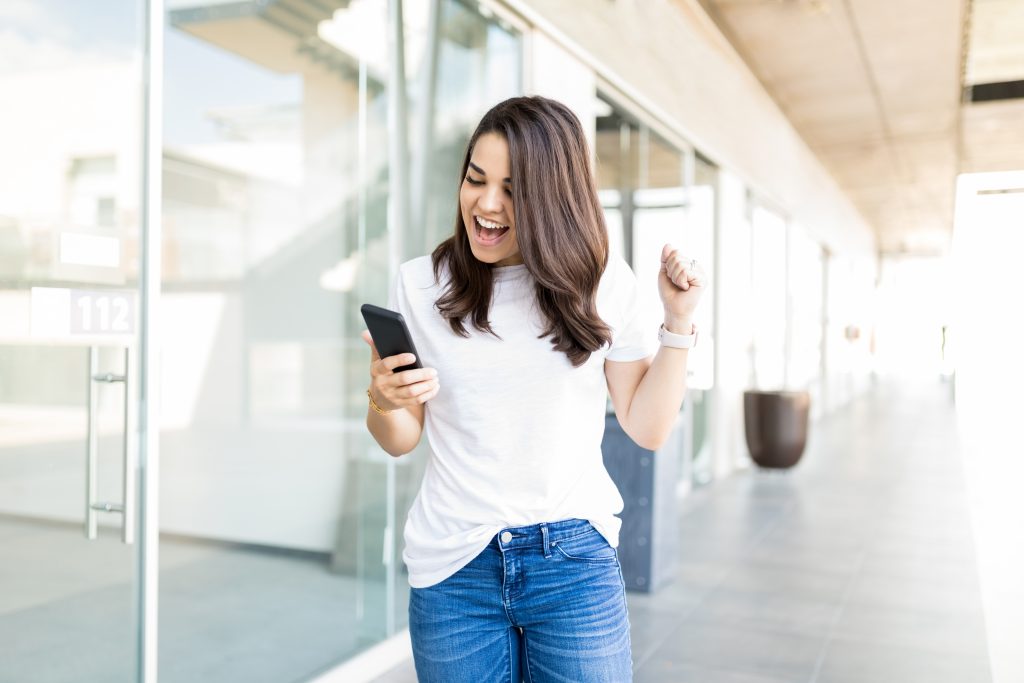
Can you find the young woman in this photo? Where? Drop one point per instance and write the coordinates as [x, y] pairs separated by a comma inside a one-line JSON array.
[[524, 326]]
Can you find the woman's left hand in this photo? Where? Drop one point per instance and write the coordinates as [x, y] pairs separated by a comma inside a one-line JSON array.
[[681, 283]]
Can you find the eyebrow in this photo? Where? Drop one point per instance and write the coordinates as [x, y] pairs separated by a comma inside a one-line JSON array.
[[481, 172]]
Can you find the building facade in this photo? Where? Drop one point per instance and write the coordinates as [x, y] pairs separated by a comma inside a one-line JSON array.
[[299, 166]]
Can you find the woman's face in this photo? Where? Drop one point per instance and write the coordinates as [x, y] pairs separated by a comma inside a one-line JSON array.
[[486, 202]]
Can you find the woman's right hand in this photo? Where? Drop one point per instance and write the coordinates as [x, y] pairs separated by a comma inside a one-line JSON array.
[[393, 390]]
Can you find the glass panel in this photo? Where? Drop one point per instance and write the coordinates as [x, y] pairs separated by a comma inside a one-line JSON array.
[[643, 189], [769, 271], [700, 241], [478, 65], [616, 170], [660, 216], [274, 495], [69, 206]]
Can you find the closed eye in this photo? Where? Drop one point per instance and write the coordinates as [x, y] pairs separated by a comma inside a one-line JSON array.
[[477, 183]]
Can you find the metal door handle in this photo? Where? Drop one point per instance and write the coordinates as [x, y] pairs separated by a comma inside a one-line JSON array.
[[127, 507]]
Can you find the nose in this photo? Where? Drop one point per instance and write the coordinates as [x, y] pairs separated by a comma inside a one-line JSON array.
[[490, 200]]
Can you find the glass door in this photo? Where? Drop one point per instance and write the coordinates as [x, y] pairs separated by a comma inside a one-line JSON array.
[[281, 519], [69, 305]]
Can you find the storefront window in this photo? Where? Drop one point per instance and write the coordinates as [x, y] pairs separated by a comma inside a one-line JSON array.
[[654, 193], [276, 182], [69, 223]]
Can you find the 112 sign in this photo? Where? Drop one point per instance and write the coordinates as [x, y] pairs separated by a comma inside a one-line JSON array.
[[102, 312]]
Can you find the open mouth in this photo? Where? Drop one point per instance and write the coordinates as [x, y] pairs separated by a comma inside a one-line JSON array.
[[487, 232]]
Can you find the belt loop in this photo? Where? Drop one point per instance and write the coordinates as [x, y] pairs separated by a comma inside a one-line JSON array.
[[544, 535]]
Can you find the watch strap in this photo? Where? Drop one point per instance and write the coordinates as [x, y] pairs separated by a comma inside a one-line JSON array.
[[677, 341]]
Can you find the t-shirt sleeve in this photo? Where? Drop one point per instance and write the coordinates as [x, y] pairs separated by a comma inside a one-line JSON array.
[[630, 339]]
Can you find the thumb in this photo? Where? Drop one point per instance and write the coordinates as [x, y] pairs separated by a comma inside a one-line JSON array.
[[369, 340], [666, 251]]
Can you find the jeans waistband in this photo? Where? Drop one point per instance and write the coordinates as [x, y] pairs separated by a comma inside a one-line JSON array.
[[540, 535]]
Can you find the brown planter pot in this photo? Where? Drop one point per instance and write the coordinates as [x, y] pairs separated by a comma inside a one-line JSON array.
[[776, 426]]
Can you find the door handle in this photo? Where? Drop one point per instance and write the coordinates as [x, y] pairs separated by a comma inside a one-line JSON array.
[[127, 506]]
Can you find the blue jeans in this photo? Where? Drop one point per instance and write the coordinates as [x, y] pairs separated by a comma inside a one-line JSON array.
[[540, 603]]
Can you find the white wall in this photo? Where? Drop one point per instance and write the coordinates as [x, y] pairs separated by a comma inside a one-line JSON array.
[[987, 330], [733, 326]]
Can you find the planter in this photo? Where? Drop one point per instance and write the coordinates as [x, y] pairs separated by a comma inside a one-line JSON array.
[[776, 426]]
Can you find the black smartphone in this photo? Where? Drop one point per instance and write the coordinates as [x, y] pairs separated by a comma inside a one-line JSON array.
[[390, 333]]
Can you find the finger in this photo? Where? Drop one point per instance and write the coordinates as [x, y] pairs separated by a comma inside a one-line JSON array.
[[414, 391], [689, 272], [672, 267], [697, 276], [397, 361], [373, 347], [413, 376], [423, 398], [678, 275]]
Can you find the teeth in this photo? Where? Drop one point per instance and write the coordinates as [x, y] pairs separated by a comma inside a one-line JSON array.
[[488, 224]]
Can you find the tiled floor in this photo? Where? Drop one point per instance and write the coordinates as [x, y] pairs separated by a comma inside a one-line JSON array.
[[227, 613], [858, 566]]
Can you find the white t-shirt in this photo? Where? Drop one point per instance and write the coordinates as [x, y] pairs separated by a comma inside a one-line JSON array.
[[515, 431]]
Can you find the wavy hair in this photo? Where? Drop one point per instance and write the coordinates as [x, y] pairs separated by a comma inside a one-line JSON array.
[[560, 229]]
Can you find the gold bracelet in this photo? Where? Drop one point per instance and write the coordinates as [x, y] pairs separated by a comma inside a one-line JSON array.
[[373, 404]]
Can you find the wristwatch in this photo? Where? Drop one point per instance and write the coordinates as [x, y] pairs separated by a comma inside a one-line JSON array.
[[677, 341]]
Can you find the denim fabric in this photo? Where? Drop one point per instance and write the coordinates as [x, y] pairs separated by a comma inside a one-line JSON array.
[[546, 604]]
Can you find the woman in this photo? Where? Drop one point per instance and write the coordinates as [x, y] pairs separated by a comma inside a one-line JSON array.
[[527, 325]]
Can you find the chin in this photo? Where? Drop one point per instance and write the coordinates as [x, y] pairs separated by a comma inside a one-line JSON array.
[[487, 258]]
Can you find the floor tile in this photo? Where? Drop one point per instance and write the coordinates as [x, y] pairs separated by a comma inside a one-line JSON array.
[[848, 660], [765, 653]]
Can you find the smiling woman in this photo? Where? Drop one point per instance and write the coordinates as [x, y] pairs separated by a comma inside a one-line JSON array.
[[528, 325]]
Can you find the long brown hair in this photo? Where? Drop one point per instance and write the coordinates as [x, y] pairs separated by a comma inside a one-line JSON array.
[[560, 229]]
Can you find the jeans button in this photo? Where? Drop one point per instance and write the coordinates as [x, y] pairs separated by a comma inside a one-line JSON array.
[[506, 537]]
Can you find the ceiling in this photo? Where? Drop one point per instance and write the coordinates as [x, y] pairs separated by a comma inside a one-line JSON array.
[[881, 91]]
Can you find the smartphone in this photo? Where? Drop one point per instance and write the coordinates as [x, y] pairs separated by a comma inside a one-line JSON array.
[[390, 334]]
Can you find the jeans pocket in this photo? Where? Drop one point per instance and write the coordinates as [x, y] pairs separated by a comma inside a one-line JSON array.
[[589, 546]]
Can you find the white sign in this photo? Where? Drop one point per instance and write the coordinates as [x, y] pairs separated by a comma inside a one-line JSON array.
[[73, 312], [90, 250]]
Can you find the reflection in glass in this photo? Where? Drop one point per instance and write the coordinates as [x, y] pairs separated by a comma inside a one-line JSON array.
[[276, 186]]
